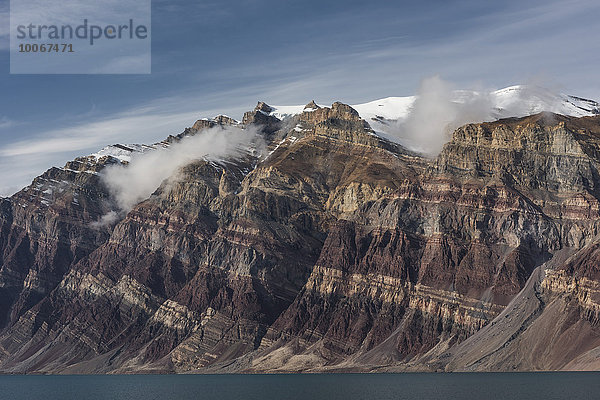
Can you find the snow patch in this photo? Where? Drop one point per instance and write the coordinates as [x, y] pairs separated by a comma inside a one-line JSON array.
[[122, 153], [421, 123]]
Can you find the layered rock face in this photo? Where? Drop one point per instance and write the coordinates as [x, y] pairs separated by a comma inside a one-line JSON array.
[[45, 230], [333, 250]]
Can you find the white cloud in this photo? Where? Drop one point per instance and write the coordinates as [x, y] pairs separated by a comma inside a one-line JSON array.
[[500, 48], [106, 220], [147, 123], [129, 184], [439, 109], [94, 135], [436, 112]]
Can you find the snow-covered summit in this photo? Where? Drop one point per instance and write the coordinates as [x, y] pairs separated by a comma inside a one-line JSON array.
[[384, 115], [121, 152], [513, 101], [422, 123], [521, 100]]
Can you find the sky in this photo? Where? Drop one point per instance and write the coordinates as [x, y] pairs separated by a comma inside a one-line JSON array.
[[218, 57]]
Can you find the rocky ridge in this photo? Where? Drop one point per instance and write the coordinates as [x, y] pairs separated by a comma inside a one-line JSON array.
[[337, 250]]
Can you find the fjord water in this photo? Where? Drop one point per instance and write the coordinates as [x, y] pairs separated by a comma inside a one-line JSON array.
[[488, 386]]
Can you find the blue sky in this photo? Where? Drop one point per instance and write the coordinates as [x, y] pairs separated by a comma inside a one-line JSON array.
[[211, 57]]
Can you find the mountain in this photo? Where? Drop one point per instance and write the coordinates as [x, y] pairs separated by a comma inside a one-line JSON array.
[[334, 249], [438, 110]]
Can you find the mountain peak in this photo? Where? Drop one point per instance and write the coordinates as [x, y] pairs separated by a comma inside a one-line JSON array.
[[264, 107], [311, 106]]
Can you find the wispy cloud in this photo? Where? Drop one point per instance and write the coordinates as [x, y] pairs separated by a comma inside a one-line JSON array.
[[342, 55], [150, 122], [5, 123], [132, 183], [29, 157], [91, 135]]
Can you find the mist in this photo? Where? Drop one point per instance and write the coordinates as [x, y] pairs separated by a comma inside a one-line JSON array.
[[439, 109], [131, 183]]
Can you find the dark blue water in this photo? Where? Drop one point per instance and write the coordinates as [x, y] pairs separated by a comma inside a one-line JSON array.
[[486, 386]]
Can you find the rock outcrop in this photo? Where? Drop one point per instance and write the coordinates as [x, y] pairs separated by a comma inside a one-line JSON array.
[[334, 250]]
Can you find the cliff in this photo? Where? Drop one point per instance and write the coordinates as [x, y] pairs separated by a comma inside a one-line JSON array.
[[334, 250]]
